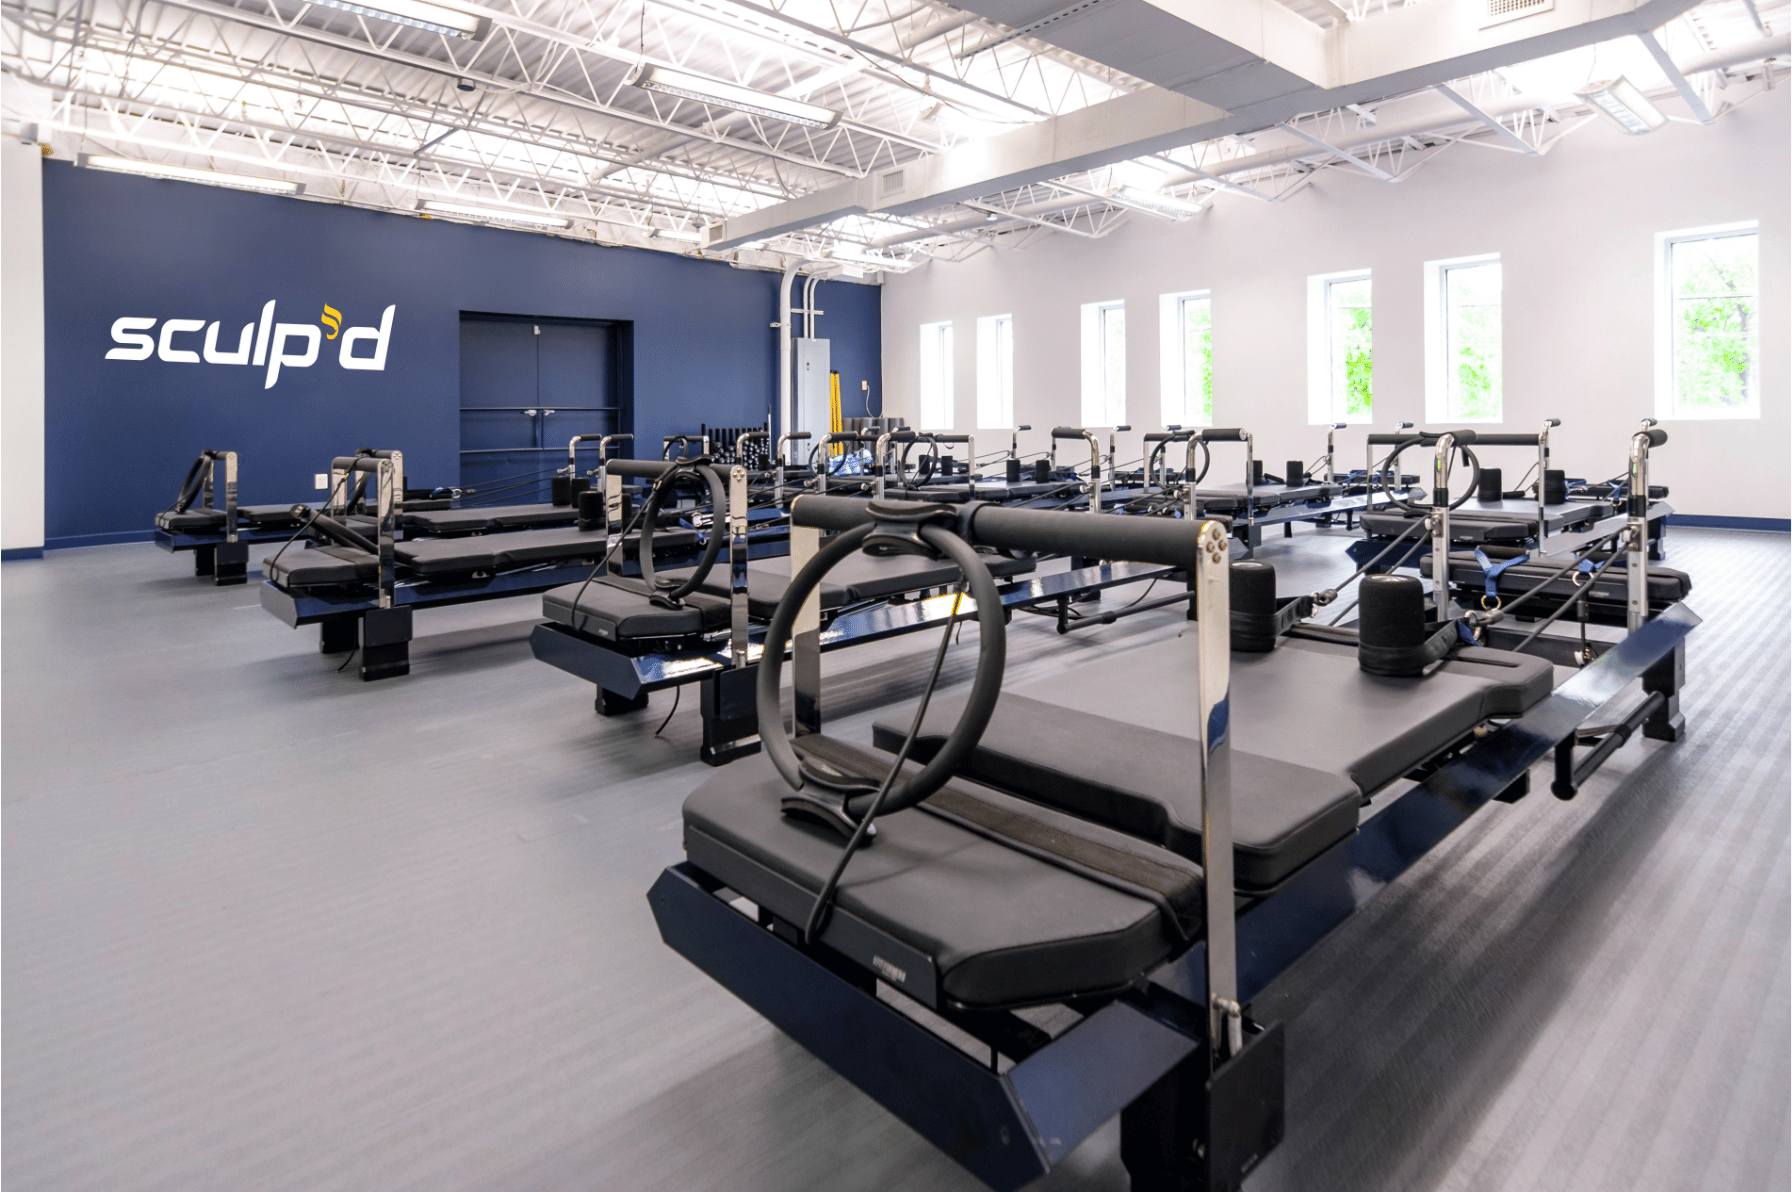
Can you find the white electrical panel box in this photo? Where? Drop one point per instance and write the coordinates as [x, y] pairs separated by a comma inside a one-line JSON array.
[[812, 387]]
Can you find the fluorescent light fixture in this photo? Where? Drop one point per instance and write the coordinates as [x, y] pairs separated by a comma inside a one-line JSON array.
[[1156, 203], [156, 169], [492, 213], [1619, 101], [667, 81], [418, 15], [678, 234], [841, 252]]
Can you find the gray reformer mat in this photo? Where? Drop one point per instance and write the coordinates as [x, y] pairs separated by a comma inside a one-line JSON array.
[[1312, 736]]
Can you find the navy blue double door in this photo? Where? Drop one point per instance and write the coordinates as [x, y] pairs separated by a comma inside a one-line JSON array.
[[527, 386]]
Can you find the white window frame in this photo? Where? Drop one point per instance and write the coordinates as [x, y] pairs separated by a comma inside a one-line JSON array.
[[1100, 408], [1173, 363], [1666, 398], [1437, 331], [1325, 404], [934, 368], [995, 372]]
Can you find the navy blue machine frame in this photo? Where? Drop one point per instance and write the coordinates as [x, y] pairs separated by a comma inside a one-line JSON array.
[[1141, 1054]]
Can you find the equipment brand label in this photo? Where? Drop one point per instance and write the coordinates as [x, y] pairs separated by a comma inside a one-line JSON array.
[[275, 345]]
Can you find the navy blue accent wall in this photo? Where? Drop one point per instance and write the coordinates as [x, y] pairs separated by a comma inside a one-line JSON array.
[[119, 434]]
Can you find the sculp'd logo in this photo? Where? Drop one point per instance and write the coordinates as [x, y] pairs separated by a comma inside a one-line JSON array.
[[275, 345]]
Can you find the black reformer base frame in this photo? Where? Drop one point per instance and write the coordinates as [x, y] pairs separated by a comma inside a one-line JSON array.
[[1142, 1054]]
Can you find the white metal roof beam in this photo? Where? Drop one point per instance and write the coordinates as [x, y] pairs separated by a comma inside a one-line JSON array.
[[1694, 104], [495, 82], [1398, 54], [1505, 134], [1341, 155]]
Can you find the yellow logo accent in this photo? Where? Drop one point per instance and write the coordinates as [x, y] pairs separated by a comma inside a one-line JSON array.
[[332, 318]]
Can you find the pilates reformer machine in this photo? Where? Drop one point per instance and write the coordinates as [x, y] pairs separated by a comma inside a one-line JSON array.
[[1261, 499], [633, 636], [456, 512], [206, 519], [1488, 547], [362, 588], [1021, 912]]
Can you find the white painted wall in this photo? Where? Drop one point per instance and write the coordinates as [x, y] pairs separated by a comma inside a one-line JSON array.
[[21, 346], [1575, 231]]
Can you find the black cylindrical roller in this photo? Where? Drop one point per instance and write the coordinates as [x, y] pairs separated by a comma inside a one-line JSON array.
[[1014, 471], [1392, 628], [591, 509], [1555, 487], [568, 488], [1490, 485], [1296, 472], [1256, 472], [1042, 470], [1253, 607]]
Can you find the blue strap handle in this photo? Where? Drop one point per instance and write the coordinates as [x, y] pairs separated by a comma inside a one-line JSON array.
[[1490, 571]]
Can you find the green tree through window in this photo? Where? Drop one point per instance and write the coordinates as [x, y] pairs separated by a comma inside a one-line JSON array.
[[1351, 343], [1197, 360], [1472, 342], [1716, 324]]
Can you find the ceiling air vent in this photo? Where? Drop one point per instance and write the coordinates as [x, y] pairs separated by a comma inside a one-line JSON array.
[[1498, 12], [891, 184]]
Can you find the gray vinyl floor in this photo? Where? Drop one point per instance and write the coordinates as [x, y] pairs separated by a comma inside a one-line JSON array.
[[267, 927]]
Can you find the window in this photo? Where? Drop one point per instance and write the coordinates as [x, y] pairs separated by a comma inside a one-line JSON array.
[[1185, 339], [1707, 323], [1340, 344], [1463, 354], [936, 376], [1104, 363], [995, 372]]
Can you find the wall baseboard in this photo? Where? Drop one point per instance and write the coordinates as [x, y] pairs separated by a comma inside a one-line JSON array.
[[14, 554], [1779, 524], [116, 536]]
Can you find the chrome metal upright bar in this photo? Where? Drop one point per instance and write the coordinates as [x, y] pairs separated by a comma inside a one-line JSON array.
[[1114, 456], [1542, 471], [1211, 578], [1440, 524], [782, 462], [1637, 590], [1331, 451], [1088, 436], [736, 515]]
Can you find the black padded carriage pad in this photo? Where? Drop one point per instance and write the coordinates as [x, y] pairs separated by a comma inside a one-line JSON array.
[[200, 521], [1665, 584], [1312, 734], [1001, 926], [859, 577], [1392, 525], [493, 517], [519, 548], [320, 565], [193, 521], [617, 609]]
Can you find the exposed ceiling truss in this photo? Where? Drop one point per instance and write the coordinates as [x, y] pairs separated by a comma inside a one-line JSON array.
[[536, 116]]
